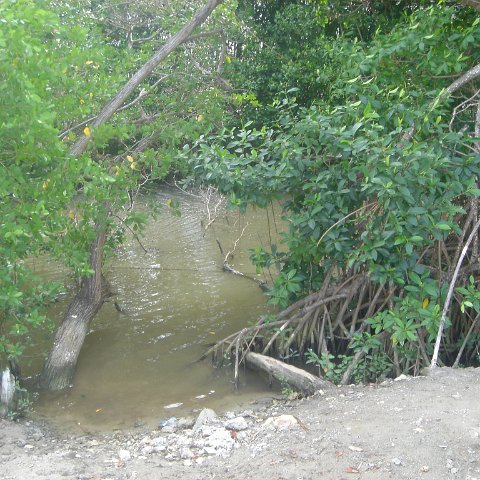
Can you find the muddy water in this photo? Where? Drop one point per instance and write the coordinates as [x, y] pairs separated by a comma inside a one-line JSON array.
[[138, 367]]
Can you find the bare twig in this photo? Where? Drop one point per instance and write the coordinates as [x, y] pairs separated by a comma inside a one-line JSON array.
[[461, 107], [468, 76], [449, 295], [343, 219], [132, 232], [231, 253]]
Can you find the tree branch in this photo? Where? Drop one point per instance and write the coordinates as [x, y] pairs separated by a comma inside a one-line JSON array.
[[181, 36], [472, 74], [198, 36], [470, 3]]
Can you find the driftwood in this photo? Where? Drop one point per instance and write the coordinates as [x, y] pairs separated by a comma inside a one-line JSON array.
[[298, 379]]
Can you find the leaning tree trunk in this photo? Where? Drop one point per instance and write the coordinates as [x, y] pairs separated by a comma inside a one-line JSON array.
[[60, 366]]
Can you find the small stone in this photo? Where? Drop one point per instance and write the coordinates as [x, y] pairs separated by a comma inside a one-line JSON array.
[[186, 422], [147, 450], [238, 424], [354, 448], [424, 468], [401, 377], [207, 415], [283, 422], [220, 440], [124, 455], [396, 461], [37, 436], [28, 447], [155, 442], [171, 422], [186, 454]]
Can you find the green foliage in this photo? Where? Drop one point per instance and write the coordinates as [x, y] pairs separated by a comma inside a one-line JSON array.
[[60, 63], [371, 176], [31, 185], [374, 366], [471, 295]]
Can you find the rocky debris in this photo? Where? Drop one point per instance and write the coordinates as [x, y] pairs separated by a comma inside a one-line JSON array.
[[237, 424], [392, 432], [186, 440]]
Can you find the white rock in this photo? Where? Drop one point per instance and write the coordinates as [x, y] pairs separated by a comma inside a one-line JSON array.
[[186, 454], [401, 377], [155, 442], [147, 450], [282, 422], [124, 455], [237, 424], [186, 423], [220, 440], [206, 416]]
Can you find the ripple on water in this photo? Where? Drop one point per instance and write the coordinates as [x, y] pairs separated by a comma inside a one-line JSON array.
[[176, 300]]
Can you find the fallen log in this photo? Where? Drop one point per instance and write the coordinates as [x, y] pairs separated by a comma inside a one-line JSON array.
[[300, 380]]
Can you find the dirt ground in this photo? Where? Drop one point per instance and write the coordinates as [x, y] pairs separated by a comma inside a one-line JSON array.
[[411, 428]]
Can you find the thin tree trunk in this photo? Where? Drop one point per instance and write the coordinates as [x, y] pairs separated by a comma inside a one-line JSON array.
[[60, 366]]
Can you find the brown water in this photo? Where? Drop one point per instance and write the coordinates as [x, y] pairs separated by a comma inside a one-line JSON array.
[[176, 299]]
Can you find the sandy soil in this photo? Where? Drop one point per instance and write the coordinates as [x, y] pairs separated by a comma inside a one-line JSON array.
[[412, 428]]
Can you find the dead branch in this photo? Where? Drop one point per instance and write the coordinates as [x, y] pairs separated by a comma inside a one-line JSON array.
[[468, 76], [300, 380], [449, 295]]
